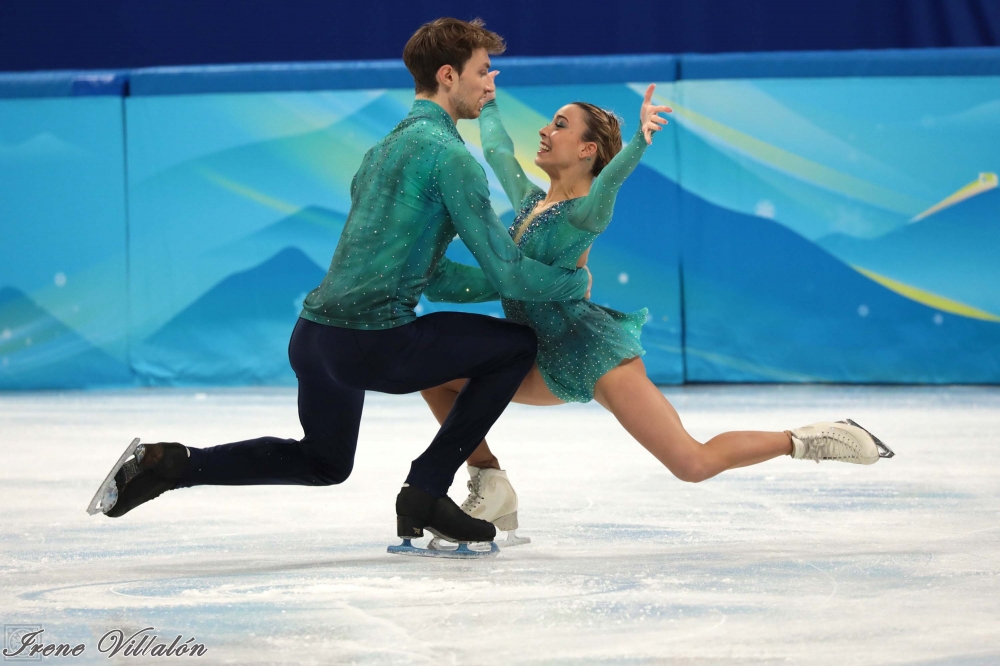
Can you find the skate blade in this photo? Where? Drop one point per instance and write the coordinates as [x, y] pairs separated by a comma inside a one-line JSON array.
[[512, 540], [461, 552], [95, 504], [883, 450]]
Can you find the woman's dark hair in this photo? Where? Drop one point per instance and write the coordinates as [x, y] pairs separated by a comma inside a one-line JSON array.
[[603, 128], [446, 41]]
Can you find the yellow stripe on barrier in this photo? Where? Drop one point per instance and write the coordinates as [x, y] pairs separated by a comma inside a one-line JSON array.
[[927, 298]]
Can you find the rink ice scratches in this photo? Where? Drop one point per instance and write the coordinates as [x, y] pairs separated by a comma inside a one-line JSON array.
[[784, 562]]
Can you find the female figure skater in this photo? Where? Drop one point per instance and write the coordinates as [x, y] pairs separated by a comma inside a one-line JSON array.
[[586, 351]]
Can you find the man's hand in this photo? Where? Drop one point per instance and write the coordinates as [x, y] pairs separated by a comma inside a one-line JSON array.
[[590, 282], [492, 94], [649, 115]]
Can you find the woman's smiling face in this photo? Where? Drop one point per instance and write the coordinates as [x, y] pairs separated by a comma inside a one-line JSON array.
[[561, 142]]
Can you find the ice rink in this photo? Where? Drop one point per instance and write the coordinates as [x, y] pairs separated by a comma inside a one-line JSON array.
[[785, 562]]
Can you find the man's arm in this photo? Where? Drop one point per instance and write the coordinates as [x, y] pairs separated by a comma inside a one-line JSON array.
[[465, 193], [458, 283]]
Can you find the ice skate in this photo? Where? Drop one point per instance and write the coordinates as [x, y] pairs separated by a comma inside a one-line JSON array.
[[417, 511], [143, 472], [492, 498], [844, 441]]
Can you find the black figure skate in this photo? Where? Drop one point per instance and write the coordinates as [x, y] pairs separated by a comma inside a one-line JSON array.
[[417, 511], [143, 472]]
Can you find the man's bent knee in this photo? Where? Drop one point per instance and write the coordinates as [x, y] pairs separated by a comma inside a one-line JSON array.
[[453, 387], [331, 474], [531, 339], [327, 469], [527, 347]]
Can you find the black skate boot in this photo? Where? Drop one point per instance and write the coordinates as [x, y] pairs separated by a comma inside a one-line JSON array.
[[151, 470], [417, 511]]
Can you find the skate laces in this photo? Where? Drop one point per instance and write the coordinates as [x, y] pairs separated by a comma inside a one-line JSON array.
[[474, 499], [830, 444], [132, 467]]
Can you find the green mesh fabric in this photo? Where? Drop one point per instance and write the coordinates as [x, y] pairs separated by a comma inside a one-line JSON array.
[[416, 189], [578, 341]]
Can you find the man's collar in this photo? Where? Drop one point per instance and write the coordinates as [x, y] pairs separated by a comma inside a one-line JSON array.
[[425, 108]]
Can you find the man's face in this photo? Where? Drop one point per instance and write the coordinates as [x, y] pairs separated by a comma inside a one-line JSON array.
[[473, 85]]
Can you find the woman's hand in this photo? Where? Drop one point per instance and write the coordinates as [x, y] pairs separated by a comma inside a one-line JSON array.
[[649, 115], [492, 94]]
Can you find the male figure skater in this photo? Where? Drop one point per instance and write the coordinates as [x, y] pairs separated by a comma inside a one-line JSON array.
[[415, 190]]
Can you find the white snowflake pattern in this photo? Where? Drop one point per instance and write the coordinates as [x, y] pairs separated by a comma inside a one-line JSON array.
[[764, 208]]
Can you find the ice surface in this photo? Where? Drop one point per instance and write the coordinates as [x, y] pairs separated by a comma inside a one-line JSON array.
[[785, 562]]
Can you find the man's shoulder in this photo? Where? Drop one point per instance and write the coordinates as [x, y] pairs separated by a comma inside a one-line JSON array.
[[455, 149], [427, 138], [419, 128], [455, 156]]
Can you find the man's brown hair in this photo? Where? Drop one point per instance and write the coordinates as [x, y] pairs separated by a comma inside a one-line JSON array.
[[446, 41]]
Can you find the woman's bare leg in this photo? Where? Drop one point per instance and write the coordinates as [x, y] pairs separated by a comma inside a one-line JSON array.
[[649, 417], [532, 391], [646, 414]]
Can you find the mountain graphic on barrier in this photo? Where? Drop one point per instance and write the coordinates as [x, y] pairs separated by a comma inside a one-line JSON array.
[[279, 174], [725, 176], [38, 351], [951, 253], [314, 230], [238, 331], [765, 304]]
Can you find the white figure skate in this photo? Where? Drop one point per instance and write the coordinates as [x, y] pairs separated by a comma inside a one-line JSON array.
[[491, 498], [844, 441]]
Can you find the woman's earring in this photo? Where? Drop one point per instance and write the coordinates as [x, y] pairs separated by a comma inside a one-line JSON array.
[[588, 159]]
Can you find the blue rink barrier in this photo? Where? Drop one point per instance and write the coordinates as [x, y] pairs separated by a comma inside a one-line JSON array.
[[35, 85], [63, 231], [805, 217]]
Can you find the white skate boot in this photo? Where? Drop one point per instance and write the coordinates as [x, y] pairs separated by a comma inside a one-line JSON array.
[[844, 441], [492, 498]]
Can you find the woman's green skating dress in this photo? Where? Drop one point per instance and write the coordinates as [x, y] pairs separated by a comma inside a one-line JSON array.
[[578, 341]]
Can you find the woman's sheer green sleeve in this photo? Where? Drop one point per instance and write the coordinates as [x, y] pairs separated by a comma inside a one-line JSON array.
[[458, 283], [595, 211], [498, 148]]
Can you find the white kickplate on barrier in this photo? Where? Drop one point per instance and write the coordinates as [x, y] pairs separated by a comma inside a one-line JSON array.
[[784, 562]]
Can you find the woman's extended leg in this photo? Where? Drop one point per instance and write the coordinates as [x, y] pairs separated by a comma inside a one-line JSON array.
[[533, 391], [649, 417]]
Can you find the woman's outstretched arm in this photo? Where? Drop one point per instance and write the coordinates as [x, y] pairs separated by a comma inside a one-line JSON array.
[[595, 211], [498, 148]]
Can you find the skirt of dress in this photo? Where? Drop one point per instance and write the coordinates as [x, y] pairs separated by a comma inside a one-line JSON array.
[[578, 342]]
